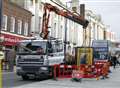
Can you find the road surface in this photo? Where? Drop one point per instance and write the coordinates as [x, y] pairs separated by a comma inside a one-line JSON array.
[[10, 80]]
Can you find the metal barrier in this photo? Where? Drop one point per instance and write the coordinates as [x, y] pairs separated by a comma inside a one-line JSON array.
[[87, 71], [65, 71]]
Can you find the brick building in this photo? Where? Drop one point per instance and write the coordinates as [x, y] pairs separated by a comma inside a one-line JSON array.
[[16, 23]]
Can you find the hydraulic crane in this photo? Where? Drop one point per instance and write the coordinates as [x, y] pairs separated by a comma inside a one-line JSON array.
[[67, 14]]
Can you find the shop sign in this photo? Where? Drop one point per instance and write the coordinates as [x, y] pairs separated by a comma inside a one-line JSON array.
[[10, 39]]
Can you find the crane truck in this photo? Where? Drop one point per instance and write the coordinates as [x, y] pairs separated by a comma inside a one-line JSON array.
[[37, 57]]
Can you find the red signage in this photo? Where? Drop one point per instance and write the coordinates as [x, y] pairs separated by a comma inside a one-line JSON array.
[[10, 40]]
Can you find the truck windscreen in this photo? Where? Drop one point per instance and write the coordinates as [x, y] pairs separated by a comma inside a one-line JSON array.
[[36, 47]]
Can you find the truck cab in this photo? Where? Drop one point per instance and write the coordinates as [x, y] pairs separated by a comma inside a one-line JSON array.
[[37, 57]]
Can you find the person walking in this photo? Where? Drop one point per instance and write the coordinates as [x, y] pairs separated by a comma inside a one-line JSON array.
[[118, 62], [114, 61], [105, 70], [11, 58]]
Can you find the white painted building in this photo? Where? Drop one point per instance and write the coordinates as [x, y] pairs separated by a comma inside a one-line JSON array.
[[96, 27], [36, 8], [95, 30]]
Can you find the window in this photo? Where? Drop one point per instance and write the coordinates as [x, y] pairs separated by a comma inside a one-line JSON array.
[[26, 28], [57, 46], [4, 22], [12, 24], [19, 26], [35, 46]]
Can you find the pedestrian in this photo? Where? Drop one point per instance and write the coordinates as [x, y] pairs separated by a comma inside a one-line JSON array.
[[114, 61], [110, 64], [118, 62], [11, 58], [105, 70]]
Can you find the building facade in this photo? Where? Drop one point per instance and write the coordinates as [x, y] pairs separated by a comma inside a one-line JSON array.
[[97, 30], [58, 24], [16, 23]]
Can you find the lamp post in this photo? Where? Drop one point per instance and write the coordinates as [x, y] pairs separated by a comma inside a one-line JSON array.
[[65, 41]]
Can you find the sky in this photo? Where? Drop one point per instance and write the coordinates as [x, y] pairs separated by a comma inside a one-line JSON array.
[[109, 11]]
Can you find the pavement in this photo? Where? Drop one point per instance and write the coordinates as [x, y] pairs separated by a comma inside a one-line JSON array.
[[112, 82]]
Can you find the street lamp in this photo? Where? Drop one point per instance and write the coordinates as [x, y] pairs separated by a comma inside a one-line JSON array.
[[65, 41]]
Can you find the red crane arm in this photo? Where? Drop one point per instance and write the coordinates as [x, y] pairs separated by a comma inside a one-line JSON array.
[[67, 14]]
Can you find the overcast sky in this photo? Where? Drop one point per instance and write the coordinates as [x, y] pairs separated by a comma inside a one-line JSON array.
[[109, 11]]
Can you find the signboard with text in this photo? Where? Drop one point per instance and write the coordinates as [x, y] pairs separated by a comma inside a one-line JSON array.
[[100, 53], [100, 49], [9, 39]]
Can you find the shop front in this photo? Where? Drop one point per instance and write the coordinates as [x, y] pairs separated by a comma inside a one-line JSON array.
[[10, 40]]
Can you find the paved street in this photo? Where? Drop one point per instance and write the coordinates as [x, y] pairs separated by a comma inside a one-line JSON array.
[[10, 80]]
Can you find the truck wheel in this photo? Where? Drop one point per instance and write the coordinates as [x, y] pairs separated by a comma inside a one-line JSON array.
[[25, 77]]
